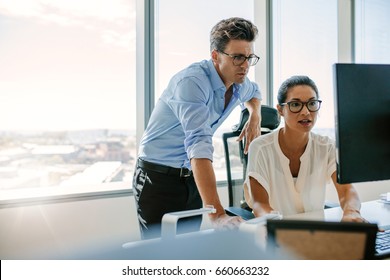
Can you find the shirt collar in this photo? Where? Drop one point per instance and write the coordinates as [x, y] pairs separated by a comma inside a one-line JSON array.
[[216, 81]]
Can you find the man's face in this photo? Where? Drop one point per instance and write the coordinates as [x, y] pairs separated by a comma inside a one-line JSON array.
[[223, 62]]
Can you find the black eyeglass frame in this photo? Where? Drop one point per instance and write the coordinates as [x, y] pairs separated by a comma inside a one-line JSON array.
[[302, 104], [251, 56]]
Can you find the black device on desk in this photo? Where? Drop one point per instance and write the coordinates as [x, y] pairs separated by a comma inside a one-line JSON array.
[[362, 109]]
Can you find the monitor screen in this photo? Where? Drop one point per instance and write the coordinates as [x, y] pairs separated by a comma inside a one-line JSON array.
[[362, 111]]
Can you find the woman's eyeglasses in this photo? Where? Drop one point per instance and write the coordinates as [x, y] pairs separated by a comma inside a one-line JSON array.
[[297, 106]]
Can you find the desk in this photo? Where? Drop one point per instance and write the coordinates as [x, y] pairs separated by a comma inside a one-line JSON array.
[[373, 211], [210, 244]]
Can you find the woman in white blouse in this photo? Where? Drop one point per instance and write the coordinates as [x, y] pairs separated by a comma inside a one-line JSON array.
[[289, 168]]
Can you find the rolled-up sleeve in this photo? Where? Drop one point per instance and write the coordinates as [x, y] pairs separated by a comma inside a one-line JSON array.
[[189, 104]]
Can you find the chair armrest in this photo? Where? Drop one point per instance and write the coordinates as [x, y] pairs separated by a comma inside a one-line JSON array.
[[238, 211], [169, 220]]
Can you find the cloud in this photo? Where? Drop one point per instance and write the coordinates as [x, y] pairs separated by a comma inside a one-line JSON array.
[[112, 18]]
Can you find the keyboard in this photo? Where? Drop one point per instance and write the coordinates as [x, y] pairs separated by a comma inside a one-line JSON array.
[[382, 245]]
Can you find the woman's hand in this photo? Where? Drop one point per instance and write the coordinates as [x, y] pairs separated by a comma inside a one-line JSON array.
[[353, 216]]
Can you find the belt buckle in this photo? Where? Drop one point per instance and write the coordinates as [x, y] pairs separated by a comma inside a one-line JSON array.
[[184, 172]]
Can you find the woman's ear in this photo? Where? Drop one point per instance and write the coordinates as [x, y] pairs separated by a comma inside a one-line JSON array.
[[280, 109]]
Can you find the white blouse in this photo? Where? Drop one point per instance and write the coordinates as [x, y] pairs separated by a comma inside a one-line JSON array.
[[270, 167]]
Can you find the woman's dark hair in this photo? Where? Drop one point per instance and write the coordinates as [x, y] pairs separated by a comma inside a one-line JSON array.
[[292, 82], [234, 28]]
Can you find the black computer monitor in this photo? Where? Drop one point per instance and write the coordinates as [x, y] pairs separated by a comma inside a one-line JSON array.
[[362, 111]]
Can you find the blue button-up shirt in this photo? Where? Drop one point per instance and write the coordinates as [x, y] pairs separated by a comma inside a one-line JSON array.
[[188, 113]]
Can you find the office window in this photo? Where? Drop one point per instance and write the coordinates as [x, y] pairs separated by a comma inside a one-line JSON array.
[[372, 31], [183, 37], [305, 43], [67, 86]]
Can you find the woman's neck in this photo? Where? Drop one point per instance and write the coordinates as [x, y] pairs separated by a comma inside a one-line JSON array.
[[293, 144]]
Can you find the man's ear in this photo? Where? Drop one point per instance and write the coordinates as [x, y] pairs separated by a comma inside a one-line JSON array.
[[214, 55]]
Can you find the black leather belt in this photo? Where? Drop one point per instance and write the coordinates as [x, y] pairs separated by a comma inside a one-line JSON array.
[[181, 172]]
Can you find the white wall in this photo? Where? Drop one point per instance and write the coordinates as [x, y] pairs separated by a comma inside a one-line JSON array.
[[367, 191], [66, 228], [70, 228]]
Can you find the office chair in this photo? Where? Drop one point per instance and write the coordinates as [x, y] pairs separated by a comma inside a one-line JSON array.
[[270, 120]]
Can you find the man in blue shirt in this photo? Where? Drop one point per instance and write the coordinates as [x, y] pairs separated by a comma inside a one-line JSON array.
[[174, 169]]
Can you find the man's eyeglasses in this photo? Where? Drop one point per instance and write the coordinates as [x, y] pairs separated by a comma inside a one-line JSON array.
[[238, 60], [297, 106]]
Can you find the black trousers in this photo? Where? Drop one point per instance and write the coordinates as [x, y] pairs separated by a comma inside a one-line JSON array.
[[157, 193]]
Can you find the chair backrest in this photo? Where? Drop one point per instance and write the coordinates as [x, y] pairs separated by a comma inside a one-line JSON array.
[[270, 120]]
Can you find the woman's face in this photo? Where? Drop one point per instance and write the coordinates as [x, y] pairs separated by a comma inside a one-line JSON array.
[[304, 120]]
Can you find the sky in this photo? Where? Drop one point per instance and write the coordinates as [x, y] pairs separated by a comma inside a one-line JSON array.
[[67, 64]]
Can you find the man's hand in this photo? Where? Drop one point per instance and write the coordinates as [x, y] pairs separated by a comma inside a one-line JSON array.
[[225, 221], [250, 131], [252, 128]]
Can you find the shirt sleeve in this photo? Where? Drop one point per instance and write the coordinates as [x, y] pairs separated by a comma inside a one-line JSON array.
[[189, 104], [258, 167]]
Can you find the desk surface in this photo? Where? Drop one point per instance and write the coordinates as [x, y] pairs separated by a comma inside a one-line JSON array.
[[373, 211], [200, 246]]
